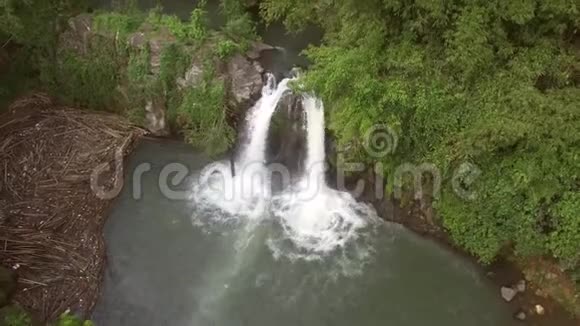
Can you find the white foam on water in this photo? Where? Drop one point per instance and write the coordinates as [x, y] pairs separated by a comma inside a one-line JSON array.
[[317, 219], [312, 220], [247, 193]]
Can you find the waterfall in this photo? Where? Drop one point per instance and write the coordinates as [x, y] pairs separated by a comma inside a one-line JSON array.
[[315, 218], [315, 156], [258, 122], [242, 187]]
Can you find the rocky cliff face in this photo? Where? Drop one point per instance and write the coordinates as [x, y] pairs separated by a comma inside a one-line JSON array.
[[241, 73]]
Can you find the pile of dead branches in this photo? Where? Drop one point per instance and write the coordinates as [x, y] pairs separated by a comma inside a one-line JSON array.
[[51, 217]]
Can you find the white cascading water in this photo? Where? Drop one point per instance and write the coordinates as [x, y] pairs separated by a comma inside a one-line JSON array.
[[258, 121], [246, 193], [315, 157], [314, 218]]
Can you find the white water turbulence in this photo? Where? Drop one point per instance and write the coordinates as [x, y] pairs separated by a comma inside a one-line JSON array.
[[247, 192], [308, 219], [317, 219]]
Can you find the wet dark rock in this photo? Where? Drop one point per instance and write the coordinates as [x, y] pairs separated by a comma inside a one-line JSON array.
[[257, 49], [287, 139], [78, 33], [520, 315], [507, 293], [245, 81]]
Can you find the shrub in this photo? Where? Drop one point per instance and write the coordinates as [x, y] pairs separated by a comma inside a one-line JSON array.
[[226, 48]]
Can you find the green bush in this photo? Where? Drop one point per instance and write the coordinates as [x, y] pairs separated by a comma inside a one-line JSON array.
[[193, 31], [36, 23], [33, 25], [14, 316], [120, 25], [88, 80], [67, 319], [226, 48], [239, 26], [201, 115]]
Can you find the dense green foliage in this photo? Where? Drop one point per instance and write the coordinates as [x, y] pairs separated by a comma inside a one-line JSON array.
[[193, 31], [67, 319], [34, 25], [36, 22], [88, 80], [202, 115], [492, 83]]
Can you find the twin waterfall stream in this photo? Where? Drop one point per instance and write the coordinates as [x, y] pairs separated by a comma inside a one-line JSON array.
[[315, 218], [256, 244]]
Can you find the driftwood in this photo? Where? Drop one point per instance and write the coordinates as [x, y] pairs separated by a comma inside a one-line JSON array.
[[50, 219]]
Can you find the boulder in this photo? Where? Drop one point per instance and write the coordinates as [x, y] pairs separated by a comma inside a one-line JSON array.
[[507, 293], [245, 81], [539, 309], [157, 43], [520, 315], [193, 77], [255, 51], [78, 33]]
